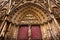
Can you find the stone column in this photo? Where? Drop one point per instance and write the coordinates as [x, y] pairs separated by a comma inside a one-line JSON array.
[[4, 29], [29, 32], [52, 16], [1, 26], [44, 32], [50, 31], [15, 32], [7, 33], [55, 30]]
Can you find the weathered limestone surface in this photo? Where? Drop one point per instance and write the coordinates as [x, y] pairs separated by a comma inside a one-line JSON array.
[[14, 13]]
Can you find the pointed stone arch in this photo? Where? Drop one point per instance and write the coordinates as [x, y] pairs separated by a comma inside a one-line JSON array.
[[36, 10]]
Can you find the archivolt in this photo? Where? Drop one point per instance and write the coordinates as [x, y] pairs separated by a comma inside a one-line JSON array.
[[41, 15]]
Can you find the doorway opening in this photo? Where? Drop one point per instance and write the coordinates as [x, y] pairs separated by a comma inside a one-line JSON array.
[[32, 32]]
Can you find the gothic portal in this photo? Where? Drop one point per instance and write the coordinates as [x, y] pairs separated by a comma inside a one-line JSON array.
[[29, 20]]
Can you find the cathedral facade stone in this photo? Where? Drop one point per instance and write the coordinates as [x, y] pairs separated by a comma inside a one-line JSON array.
[[30, 20]]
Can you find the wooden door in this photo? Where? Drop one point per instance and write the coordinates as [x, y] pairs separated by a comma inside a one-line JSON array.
[[36, 32], [23, 33]]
